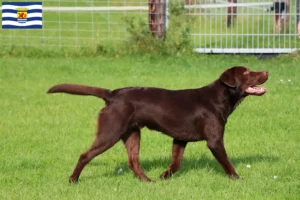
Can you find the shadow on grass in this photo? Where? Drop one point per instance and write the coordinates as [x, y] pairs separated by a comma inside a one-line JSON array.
[[188, 164]]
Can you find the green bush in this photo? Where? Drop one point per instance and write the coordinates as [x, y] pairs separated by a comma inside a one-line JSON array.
[[175, 42], [140, 41]]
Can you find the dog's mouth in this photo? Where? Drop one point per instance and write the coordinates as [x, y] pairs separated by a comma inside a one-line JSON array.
[[255, 90]]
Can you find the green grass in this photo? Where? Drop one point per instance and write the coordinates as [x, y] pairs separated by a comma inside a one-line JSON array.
[[252, 28], [43, 135], [90, 29], [75, 29]]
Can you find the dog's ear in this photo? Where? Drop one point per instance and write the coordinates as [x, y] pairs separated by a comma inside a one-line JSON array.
[[228, 77]]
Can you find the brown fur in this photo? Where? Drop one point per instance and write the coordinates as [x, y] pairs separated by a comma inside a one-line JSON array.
[[186, 115]]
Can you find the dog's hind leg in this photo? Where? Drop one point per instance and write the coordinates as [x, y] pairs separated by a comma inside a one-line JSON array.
[[177, 154], [112, 124], [132, 143]]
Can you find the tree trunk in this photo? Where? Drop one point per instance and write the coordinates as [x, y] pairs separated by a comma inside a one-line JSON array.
[[156, 18]]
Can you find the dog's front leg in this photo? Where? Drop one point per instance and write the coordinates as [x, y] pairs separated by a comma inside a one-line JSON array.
[[216, 146], [177, 154]]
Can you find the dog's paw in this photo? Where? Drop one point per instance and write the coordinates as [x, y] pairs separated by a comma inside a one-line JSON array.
[[234, 177], [148, 180], [73, 180], [166, 174]]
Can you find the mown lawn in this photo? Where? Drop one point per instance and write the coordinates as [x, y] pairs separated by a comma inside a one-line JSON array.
[[42, 136]]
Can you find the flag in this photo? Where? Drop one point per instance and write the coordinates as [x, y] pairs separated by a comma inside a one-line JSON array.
[[22, 15]]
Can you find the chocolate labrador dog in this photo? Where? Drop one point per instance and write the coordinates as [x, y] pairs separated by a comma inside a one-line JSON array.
[[186, 115]]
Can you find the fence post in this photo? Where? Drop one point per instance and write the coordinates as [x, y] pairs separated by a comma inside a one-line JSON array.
[[297, 17], [166, 14], [297, 12], [157, 17], [231, 13]]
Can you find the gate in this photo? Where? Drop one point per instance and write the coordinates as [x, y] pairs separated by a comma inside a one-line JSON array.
[[244, 26]]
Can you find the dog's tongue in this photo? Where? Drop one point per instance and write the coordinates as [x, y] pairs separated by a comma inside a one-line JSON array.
[[255, 90]]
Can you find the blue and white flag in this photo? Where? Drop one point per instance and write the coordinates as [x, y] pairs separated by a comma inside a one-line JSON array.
[[22, 15]]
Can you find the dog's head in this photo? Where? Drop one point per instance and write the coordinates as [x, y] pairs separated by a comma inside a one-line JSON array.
[[244, 81]]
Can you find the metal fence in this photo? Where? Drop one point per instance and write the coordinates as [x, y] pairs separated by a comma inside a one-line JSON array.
[[78, 23], [219, 26], [244, 26]]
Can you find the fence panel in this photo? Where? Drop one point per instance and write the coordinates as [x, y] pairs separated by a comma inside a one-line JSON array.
[[220, 26], [244, 26], [78, 23]]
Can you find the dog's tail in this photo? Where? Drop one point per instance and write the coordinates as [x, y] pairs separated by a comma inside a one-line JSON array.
[[76, 89]]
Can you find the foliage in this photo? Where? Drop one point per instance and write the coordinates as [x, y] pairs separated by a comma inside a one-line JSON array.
[[140, 41], [175, 42]]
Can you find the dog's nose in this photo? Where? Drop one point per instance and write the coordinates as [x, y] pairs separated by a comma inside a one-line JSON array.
[[266, 73]]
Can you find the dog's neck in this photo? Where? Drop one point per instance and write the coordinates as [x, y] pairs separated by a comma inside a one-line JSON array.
[[230, 98], [235, 98]]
